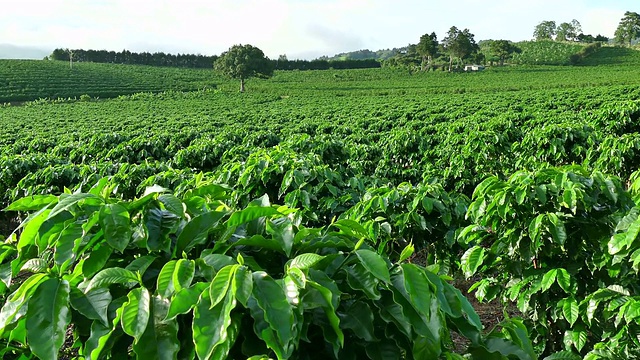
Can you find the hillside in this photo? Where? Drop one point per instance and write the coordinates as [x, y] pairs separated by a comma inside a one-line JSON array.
[[25, 80], [609, 55]]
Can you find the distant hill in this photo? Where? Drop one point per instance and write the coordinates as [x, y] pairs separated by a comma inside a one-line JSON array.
[[367, 54], [22, 52]]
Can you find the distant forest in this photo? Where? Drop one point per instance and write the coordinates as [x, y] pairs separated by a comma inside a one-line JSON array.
[[199, 61]]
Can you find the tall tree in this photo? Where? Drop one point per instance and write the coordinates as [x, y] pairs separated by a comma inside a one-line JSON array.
[[628, 29], [427, 48], [568, 31], [459, 44], [502, 49], [545, 30], [243, 62]]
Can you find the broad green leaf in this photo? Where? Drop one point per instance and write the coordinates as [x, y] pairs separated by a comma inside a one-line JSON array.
[[221, 282], [32, 203], [564, 280], [173, 204], [563, 355], [66, 243], [47, 318], [375, 264], [576, 337], [101, 334], [197, 230], [359, 318], [115, 221], [249, 214], [281, 230], [352, 228], [32, 226], [135, 312], [175, 275], [93, 305], [632, 232], [570, 310], [66, 203], [242, 285], [97, 260], [110, 276], [329, 309], [141, 264], [359, 278], [305, 261], [160, 338], [471, 260], [558, 232], [278, 313], [418, 289], [617, 243], [210, 324], [14, 307], [548, 279], [185, 299]]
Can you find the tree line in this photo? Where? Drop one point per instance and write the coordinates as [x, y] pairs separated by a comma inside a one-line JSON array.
[[198, 61]]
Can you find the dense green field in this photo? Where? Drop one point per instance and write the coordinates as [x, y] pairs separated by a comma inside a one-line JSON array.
[[26, 80], [523, 177]]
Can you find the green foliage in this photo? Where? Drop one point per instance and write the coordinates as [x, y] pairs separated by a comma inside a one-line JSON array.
[[243, 62], [564, 243], [252, 282], [628, 29]]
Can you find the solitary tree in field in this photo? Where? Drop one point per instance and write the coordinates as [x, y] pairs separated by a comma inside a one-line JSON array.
[[427, 48], [243, 62], [459, 44], [545, 30], [628, 29], [502, 49]]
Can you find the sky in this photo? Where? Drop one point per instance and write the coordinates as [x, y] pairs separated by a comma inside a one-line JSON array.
[[297, 28]]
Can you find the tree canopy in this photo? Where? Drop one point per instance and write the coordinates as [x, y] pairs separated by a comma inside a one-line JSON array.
[[502, 49], [243, 62], [428, 49], [568, 31], [459, 44], [629, 28], [545, 30]]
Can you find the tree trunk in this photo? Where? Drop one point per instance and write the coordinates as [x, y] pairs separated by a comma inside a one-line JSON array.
[[450, 62], [241, 85]]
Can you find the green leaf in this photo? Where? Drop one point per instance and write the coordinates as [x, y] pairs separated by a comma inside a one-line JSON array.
[[135, 312], [578, 337], [110, 276], [281, 230], [185, 299], [329, 309], [175, 275], [115, 221], [548, 279], [47, 318], [305, 261], [278, 313], [617, 243], [249, 214], [242, 285], [563, 355], [359, 278], [32, 203], [66, 243], [13, 308], [558, 232], [564, 280], [570, 310], [210, 324], [375, 264], [160, 338], [97, 260], [32, 226], [197, 230], [221, 283], [406, 253], [471, 260], [173, 204], [93, 305], [359, 318], [66, 203]]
